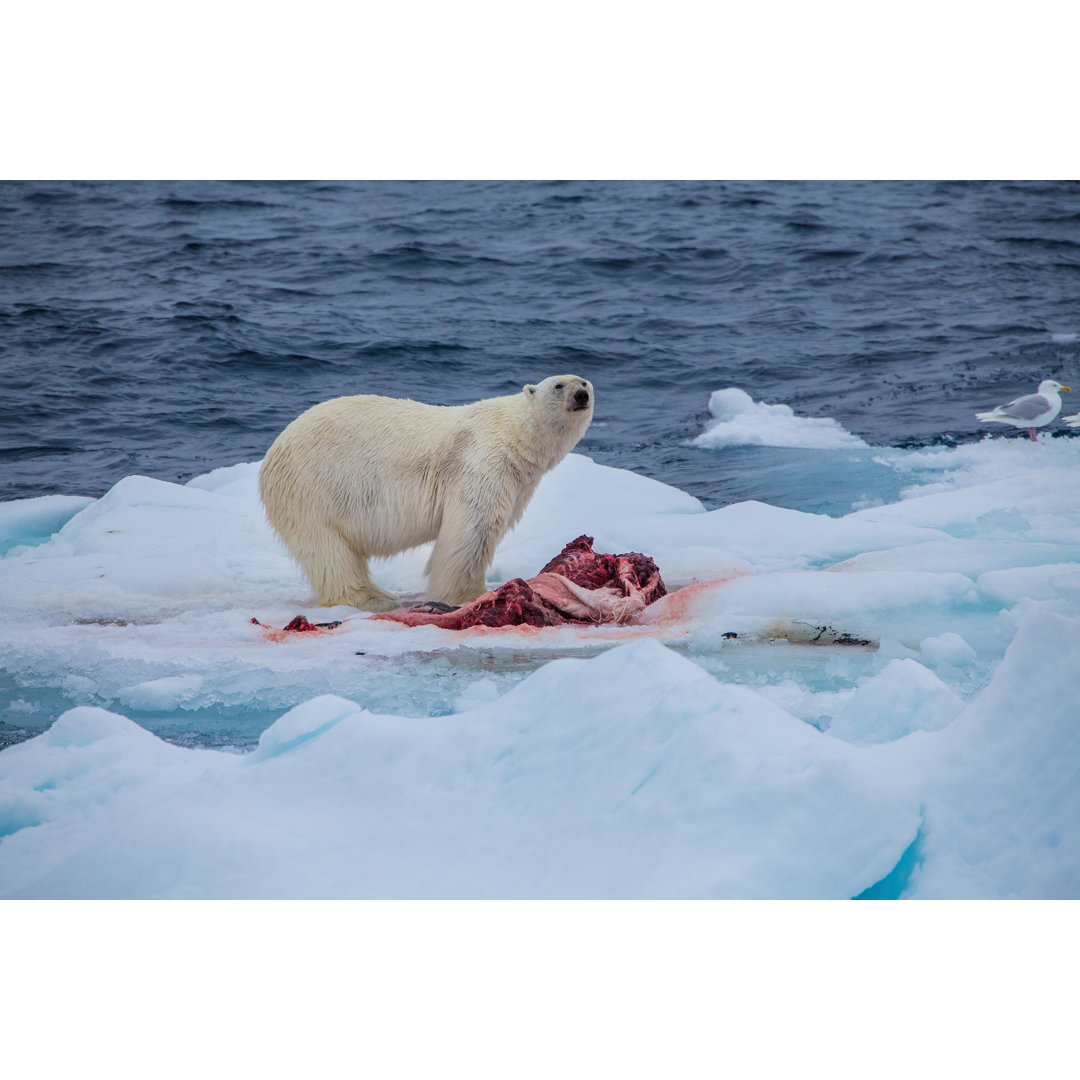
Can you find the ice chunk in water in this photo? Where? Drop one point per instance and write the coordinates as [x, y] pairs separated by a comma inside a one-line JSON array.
[[741, 421], [947, 648], [161, 694], [902, 698]]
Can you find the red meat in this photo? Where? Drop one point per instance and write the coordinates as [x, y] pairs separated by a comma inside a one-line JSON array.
[[578, 586]]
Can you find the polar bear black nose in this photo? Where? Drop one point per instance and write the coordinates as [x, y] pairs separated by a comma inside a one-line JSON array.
[[581, 397]]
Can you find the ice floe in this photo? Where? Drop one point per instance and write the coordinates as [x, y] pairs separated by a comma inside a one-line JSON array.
[[880, 702]]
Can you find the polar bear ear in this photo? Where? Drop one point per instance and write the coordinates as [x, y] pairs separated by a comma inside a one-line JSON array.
[[530, 390]]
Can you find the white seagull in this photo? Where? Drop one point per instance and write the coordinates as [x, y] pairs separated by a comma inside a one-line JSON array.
[[1072, 421], [1032, 410]]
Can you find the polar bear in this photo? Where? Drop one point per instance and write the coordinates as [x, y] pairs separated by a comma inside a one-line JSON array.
[[363, 476]]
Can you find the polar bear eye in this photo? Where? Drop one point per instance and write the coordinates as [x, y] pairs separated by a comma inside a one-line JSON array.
[[558, 386]]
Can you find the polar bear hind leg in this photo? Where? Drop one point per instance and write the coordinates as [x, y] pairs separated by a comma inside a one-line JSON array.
[[340, 575]]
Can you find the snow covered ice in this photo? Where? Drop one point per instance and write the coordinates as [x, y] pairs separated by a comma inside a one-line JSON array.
[[738, 420], [879, 701]]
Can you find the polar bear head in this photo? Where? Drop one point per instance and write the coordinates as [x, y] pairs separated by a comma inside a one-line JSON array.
[[564, 394], [556, 412]]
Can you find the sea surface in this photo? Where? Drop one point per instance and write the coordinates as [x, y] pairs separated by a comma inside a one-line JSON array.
[[169, 328]]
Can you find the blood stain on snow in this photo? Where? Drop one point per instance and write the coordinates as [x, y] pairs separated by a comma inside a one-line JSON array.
[[299, 625]]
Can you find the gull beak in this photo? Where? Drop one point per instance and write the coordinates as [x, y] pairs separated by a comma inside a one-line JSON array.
[[1066, 388]]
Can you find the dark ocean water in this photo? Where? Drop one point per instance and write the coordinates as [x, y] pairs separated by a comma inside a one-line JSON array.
[[170, 328]]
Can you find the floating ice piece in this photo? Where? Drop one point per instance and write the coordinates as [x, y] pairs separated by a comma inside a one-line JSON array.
[[948, 648], [741, 421], [161, 695], [902, 698]]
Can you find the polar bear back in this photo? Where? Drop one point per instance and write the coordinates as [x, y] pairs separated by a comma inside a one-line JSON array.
[[379, 469]]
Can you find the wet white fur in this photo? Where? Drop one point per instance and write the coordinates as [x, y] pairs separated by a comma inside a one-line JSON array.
[[364, 476]]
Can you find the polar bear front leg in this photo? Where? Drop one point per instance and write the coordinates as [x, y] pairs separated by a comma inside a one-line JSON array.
[[463, 551]]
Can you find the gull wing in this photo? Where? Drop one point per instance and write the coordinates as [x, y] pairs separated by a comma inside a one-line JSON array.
[[1025, 408]]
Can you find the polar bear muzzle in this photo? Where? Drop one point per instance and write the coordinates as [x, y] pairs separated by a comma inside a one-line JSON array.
[[576, 399]]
